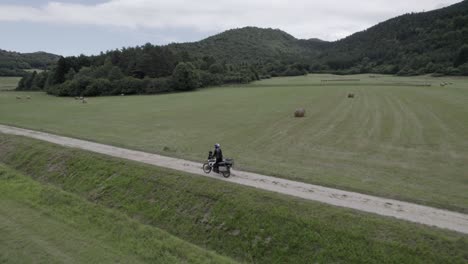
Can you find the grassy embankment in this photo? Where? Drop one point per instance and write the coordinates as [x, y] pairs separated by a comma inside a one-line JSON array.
[[243, 223], [43, 224]]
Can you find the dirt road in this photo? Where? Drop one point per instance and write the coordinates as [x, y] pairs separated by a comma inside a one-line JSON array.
[[372, 204]]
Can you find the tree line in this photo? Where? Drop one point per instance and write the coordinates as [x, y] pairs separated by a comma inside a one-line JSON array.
[[146, 69]]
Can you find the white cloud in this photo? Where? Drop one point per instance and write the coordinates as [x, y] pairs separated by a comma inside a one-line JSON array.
[[328, 20]]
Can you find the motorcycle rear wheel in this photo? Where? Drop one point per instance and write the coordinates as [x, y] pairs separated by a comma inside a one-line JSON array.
[[207, 168], [226, 174]]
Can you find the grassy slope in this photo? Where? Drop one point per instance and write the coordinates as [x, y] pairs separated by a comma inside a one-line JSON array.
[[395, 139], [9, 83], [243, 223], [42, 224]]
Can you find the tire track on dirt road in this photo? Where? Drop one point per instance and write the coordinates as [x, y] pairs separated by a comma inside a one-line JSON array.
[[362, 202]]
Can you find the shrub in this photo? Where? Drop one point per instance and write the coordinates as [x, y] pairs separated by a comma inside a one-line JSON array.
[[185, 77], [98, 87], [463, 69], [158, 85], [290, 71], [209, 79], [452, 71], [216, 68], [78, 85], [128, 85], [462, 56]]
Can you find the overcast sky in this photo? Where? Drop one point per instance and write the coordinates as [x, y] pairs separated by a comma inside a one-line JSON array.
[[90, 26]]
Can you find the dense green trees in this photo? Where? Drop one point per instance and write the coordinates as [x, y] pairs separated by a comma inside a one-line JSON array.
[[419, 43], [462, 56], [33, 81], [141, 70], [185, 77], [250, 45]]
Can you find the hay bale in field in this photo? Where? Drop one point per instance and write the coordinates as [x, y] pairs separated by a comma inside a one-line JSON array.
[[84, 101], [29, 97], [351, 95], [18, 97], [300, 113]]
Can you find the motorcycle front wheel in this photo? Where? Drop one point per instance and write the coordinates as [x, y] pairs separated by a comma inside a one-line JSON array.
[[206, 168]]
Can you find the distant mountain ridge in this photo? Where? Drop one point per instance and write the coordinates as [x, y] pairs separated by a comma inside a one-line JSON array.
[[14, 63]]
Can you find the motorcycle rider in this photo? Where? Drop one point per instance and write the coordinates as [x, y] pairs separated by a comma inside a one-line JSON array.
[[218, 155]]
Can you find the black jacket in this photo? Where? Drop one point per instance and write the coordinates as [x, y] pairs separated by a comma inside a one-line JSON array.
[[218, 155]]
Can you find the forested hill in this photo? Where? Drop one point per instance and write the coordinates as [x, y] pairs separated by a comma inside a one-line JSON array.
[[235, 56], [14, 63], [253, 45], [410, 44]]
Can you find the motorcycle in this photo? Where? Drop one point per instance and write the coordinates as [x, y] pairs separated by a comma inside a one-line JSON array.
[[224, 167]]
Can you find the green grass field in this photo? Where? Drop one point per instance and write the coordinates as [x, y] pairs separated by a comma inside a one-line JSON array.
[[397, 138], [8, 83], [42, 224], [246, 224]]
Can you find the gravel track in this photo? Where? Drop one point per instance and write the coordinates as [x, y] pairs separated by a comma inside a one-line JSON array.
[[362, 202]]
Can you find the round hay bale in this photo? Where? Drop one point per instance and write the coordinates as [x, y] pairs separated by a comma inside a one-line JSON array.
[[300, 113]]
